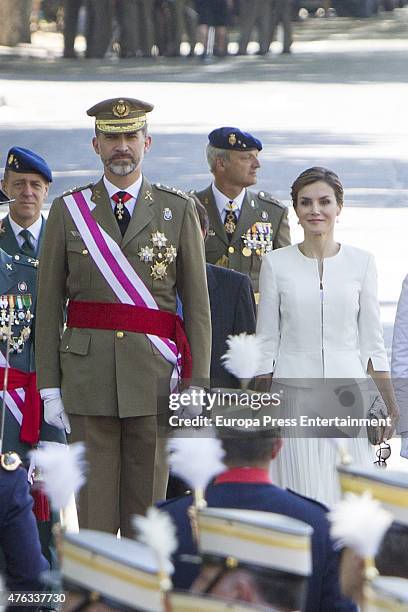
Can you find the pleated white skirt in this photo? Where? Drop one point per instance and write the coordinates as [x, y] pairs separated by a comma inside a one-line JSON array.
[[308, 465]]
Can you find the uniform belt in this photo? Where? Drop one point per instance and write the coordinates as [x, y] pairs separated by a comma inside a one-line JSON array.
[[30, 426], [111, 316]]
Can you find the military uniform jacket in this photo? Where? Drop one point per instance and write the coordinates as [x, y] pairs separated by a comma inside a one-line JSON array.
[[18, 277], [323, 593], [256, 208], [102, 372], [8, 241]]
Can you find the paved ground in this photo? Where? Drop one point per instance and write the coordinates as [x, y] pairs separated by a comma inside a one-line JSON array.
[[339, 100]]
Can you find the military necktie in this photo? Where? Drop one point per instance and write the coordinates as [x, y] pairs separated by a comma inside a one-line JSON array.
[[121, 212], [28, 246], [231, 219]]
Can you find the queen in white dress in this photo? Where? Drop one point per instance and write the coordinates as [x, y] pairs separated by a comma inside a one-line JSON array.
[[319, 317]]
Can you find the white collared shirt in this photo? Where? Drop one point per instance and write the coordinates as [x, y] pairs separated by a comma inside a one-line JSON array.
[[133, 190], [222, 201], [34, 229]]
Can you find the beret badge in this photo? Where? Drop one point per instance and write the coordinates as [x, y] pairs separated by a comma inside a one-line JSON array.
[[232, 139]]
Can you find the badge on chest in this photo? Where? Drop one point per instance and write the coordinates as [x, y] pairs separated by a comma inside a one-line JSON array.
[[258, 240], [160, 254], [15, 320]]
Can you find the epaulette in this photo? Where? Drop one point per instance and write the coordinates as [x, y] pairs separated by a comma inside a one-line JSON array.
[[76, 189], [10, 461], [264, 195], [172, 190], [309, 499], [20, 259]]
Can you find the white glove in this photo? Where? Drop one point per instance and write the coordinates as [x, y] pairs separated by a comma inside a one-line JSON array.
[[404, 445], [54, 413], [192, 402]]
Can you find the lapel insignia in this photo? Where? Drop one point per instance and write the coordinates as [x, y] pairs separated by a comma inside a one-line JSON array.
[[96, 195], [264, 215], [2, 228], [167, 214], [159, 270], [22, 286], [252, 203], [148, 196], [9, 266], [206, 200], [75, 234], [146, 254], [159, 239], [211, 232]]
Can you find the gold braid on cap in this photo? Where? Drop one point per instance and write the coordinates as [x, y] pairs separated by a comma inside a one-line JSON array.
[[121, 125]]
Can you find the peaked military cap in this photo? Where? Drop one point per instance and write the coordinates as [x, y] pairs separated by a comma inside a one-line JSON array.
[[390, 487], [250, 538], [233, 139], [24, 160], [123, 571], [120, 115], [388, 593]]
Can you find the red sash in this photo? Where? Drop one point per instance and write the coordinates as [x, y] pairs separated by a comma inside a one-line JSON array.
[[126, 317], [17, 379]]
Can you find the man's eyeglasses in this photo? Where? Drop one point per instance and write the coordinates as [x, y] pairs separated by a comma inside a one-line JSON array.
[[383, 454]]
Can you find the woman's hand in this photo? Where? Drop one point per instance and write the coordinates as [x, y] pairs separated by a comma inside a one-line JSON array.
[[393, 416], [385, 388]]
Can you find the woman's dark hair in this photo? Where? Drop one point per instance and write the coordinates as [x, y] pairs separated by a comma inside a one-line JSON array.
[[313, 175]]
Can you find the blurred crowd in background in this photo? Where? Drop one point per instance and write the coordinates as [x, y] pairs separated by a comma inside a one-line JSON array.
[[146, 28]]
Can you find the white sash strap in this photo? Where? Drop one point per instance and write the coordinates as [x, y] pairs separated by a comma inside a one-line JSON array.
[[15, 398], [116, 269]]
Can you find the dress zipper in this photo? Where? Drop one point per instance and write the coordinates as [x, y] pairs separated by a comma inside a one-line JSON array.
[[322, 319]]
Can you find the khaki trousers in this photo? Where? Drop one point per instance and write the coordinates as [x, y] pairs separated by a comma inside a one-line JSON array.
[[127, 470]]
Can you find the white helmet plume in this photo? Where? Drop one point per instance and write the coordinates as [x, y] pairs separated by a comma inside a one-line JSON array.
[[62, 469], [243, 356]]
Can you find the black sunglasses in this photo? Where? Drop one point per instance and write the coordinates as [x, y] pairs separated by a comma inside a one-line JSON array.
[[383, 454]]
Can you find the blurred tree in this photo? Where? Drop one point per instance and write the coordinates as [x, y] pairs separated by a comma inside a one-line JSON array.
[[15, 21]]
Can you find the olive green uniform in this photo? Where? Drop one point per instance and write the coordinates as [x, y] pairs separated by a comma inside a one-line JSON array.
[[258, 210], [115, 374]]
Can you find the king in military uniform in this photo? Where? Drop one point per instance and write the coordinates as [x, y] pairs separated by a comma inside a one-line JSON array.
[[120, 251], [244, 225]]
